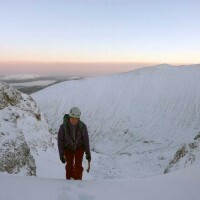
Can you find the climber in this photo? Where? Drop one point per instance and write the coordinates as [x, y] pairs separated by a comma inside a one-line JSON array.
[[73, 141]]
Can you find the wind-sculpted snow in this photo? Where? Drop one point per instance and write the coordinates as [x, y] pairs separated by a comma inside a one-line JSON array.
[[138, 119], [24, 132]]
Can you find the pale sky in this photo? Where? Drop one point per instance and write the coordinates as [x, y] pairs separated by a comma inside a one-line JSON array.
[[54, 34]]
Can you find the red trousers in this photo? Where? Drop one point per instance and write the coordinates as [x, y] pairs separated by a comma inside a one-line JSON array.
[[73, 166]]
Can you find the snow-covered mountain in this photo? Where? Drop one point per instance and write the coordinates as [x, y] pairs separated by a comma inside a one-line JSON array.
[[24, 132], [137, 119], [141, 123]]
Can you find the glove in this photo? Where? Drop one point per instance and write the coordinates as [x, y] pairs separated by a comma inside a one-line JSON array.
[[62, 159], [88, 157]]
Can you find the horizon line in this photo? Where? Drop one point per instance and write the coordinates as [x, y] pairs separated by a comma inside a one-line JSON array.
[[94, 62]]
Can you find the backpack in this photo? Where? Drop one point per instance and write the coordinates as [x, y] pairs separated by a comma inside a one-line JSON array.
[[66, 129]]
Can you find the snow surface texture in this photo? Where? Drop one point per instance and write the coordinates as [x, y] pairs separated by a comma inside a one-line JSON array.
[[181, 185], [24, 132], [136, 120]]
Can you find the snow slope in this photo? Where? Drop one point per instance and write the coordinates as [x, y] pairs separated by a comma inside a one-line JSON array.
[[161, 104], [136, 120], [181, 185], [120, 152]]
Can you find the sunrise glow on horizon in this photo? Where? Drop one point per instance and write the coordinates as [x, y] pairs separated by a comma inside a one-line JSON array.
[[83, 34]]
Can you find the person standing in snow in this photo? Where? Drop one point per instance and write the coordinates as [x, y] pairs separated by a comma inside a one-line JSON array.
[[73, 141]]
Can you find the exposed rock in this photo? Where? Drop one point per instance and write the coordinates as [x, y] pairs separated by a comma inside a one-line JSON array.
[[15, 155], [197, 136], [185, 156], [23, 131], [8, 96]]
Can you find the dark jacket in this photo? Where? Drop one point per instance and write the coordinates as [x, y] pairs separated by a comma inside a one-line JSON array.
[[71, 137]]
